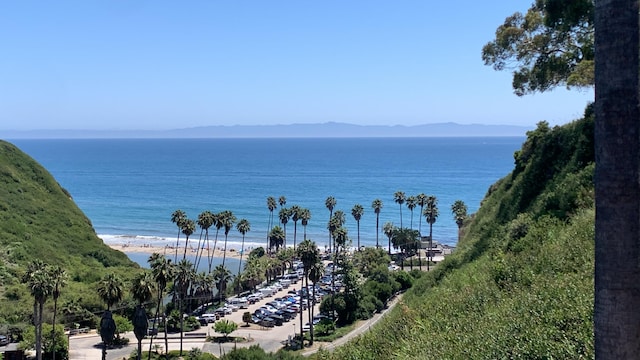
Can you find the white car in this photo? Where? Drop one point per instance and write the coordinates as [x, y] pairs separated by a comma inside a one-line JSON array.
[[233, 308]]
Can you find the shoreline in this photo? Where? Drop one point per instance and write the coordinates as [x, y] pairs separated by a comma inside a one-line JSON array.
[[149, 249]]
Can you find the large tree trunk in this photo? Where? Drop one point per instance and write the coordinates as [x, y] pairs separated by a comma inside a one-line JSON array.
[[617, 145]]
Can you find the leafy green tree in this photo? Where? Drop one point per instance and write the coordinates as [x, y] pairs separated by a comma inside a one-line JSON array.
[[399, 197], [246, 318], [376, 205], [178, 217], [50, 346], [357, 212], [551, 45], [406, 240], [617, 190], [225, 327], [368, 259], [38, 279]]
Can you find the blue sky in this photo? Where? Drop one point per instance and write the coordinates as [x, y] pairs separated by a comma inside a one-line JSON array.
[[169, 64]]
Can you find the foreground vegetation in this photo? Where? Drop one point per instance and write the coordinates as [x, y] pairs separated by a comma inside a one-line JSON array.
[[520, 284]]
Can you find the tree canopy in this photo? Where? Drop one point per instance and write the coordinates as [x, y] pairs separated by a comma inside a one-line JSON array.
[[549, 46]]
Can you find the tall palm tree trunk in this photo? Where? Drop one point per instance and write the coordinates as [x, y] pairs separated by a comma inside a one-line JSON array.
[[617, 189], [53, 330]]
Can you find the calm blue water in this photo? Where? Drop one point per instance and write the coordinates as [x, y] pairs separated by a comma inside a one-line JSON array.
[[129, 188]]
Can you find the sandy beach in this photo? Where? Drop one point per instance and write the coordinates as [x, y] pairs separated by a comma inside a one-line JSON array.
[[167, 249]]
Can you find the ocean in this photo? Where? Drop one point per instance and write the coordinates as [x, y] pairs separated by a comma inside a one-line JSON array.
[[130, 187]]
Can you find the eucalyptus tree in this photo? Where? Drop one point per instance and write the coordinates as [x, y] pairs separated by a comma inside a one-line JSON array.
[[205, 221], [59, 278], [295, 212], [142, 289], [243, 228], [309, 254], [228, 220], [376, 205], [459, 211], [178, 217], [431, 215], [276, 238], [284, 216], [399, 198], [305, 216], [330, 202], [271, 205], [388, 231], [188, 228], [162, 272], [38, 279], [357, 212], [412, 202]]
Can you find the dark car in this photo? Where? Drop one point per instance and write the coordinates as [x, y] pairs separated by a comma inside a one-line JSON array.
[[4, 340], [267, 322], [277, 319]]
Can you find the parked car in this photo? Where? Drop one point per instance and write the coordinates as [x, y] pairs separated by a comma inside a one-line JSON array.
[[4, 340]]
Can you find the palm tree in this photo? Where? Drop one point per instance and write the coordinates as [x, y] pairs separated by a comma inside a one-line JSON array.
[[276, 238], [308, 253], [459, 210], [188, 228], [141, 289], [295, 212], [222, 276], [110, 290], [388, 230], [399, 197], [284, 219], [422, 201], [227, 219], [184, 276], [59, 278], [282, 200], [162, 272], [617, 299], [357, 212], [315, 274], [205, 221], [431, 215], [217, 222], [305, 216], [40, 284], [243, 228], [377, 206], [178, 217], [330, 203], [271, 205], [412, 202]]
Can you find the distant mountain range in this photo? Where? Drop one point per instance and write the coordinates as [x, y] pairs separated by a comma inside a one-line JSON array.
[[329, 129]]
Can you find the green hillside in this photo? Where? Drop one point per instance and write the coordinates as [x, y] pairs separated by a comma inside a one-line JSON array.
[[520, 284], [39, 220]]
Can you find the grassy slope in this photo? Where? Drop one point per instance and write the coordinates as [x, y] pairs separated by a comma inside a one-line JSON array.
[[520, 284], [38, 219]]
